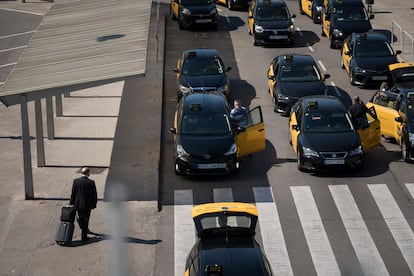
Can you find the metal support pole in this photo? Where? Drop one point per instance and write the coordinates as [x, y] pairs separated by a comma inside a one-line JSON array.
[[59, 106], [49, 119], [40, 146], [27, 159]]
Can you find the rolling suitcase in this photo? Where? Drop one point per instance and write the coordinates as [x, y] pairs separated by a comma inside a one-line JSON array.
[[68, 213], [64, 233]]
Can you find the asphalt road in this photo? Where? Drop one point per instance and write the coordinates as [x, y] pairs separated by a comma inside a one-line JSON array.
[[311, 250]]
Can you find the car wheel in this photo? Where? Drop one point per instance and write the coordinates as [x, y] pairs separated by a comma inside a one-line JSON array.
[[180, 25], [314, 18], [230, 5], [255, 42], [172, 15], [404, 151], [351, 77], [299, 162], [290, 138], [275, 104], [177, 172], [332, 43]]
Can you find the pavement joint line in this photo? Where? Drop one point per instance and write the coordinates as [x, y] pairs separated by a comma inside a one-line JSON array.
[[22, 11], [12, 49], [7, 64], [17, 34]]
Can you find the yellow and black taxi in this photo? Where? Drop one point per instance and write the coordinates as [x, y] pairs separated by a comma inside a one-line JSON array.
[[191, 12], [323, 136], [366, 57], [201, 70], [291, 77], [341, 18], [226, 243], [270, 22], [206, 141], [233, 4], [312, 8], [395, 109]]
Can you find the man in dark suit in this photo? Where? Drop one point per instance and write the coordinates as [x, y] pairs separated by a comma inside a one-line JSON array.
[[84, 198]]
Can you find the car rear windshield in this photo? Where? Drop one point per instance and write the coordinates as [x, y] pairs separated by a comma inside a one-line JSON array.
[[196, 2], [327, 122], [349, 14], [272, 13], [200, 123], [202, 66], [373, 48], [299, 72]]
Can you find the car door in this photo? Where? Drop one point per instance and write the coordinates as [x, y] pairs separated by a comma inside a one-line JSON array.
[[307, 7], [174, 7], [272, 75], [387, 115], [346, 53], [253, 139], [326, 19], [294, 128], [371, 136], [250, 19]]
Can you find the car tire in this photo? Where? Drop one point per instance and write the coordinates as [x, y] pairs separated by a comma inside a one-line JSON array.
[[230, 4], [172, 15], [299, 161], [180, 25], [352, 77], [255, 42], [274, 100], [332, 43], [175, 170], [404, 151], [315, 18]]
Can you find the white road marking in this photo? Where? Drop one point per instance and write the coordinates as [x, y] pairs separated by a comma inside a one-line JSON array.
[[184, 231], [299, 32], [271, 231], [228, 19], [14, 48], [410, 187], [7, 64], [29, 12], [398, 226], [335, 88], [219, 10], [358, 233], [321, 65], [16, 34], [316, 237], [310, 48]]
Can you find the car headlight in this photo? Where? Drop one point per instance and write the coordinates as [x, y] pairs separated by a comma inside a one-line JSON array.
[[319, 8], [258, 29], [308, 152], [224, 89], [337, 33], [186, 11], [411, 137], [213, 11], [282, 97], [356, 151], [181, 151], [184, 89], [291, 28], [232, 149], [360, 70]]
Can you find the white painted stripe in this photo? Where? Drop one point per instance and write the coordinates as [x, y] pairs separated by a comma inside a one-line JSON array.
[[219, 10], [410, 187], [335, 88], [184, 231], [271, 231], [358, 233], [8, 64], [16, 34], [14, 48], [321, 65], [228, 19], [310, 48], [316, 238], [223, 195], [299, 32], [399, 228], [15, 10]]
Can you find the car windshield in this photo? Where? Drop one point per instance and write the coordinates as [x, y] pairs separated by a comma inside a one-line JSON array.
[[299, 72], [200, 123], [327, 122], [350, 14], [367, 48], [196, 2], [202, 66], [272, 13]]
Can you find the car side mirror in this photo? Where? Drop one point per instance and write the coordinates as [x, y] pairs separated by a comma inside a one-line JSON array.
[[293, 16], [240, 129], [295, 127], [173, 130], [250, 16], [348, 53], [229, 68], [176, 70], [398, 119], [398, 52], [326, 76], [371, 16], [270, 77]]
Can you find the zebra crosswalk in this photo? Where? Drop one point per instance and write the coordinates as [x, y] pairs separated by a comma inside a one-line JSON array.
[[317, 241]]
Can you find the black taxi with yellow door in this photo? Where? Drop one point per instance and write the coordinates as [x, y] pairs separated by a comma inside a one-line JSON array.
[[207, 141], [194, 12], [323, 136], [312, 8]]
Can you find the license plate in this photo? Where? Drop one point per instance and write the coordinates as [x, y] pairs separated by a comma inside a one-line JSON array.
[[278, 36], [211, 166], [379, 78], [203, 20], [334, 162]]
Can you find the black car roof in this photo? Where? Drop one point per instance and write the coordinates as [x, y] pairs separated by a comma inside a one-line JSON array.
[[296, 59], [271, 2], [337, 3], [369, 36], [202, 53], [325, 103], [205, 102]]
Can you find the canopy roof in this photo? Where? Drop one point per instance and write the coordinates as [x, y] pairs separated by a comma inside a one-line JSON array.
[[81, 44]]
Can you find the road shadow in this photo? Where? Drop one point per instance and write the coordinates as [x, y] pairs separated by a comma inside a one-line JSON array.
[[242, 90], [102, 237], [387, 33], [340, 94]]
